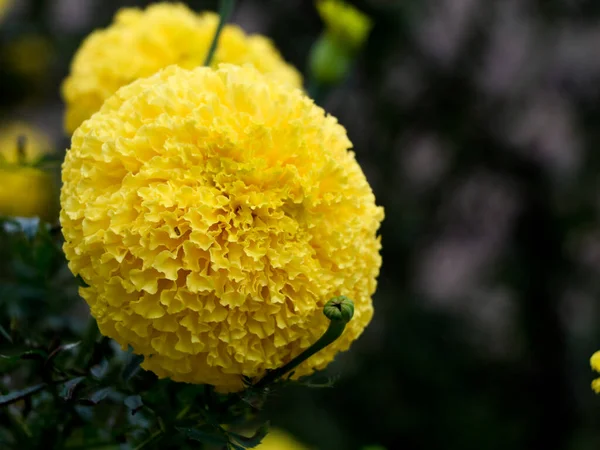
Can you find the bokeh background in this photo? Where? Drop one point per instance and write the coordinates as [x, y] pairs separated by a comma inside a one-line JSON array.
[[477, 123]]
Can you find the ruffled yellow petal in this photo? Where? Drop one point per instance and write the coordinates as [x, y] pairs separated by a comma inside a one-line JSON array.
[[140, 42], [213, 214]]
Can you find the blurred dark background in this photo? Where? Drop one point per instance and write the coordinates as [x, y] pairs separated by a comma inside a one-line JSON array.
[[477, 123]]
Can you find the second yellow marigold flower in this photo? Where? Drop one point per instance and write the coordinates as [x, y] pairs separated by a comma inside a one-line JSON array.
[[213, 214], [139, 43]]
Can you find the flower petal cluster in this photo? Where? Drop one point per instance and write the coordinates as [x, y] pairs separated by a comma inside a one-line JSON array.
[[595, 362], [213, 213], [141, 42], [25, 191]]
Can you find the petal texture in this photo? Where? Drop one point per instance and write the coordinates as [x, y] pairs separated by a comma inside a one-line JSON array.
[[213, 213], [140, 42]]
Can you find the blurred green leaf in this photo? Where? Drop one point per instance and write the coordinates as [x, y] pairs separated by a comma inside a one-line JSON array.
[[132, 366], [68, 389], [5, 334], [96, 397], [254, 440], [99, 370], [61, 348], [15, 396], [134, 402]]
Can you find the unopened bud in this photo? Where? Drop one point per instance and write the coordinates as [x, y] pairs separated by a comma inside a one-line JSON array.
[[339, 309]]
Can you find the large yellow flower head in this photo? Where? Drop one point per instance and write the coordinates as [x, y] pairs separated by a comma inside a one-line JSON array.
[[25, 191], [141, 42], [213, 214], [595, 362]]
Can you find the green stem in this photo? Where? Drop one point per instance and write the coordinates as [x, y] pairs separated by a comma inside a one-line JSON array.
[[225, 10], [339, 310], [21, 152], [333, 332], [336, 328]]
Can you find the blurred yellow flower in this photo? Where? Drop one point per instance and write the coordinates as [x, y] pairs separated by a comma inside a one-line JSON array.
[[213, 213], [25, 191], [36, 143], [4, 7], [595, 362], [139, 43], [279, 440], [344, 23]]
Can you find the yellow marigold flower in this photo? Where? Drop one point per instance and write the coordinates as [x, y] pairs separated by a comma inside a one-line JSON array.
[[139, 43], [213, 213], [25, 191], [595, 362], [279, 440], [344, 22]]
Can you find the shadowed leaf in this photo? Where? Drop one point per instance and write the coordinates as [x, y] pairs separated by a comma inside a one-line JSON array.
[[206, 434], [15, 396], [68, 389], [254, 440]]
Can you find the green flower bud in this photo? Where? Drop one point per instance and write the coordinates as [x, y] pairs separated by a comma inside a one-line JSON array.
[[329, 61], [346, 24], [339, 309]]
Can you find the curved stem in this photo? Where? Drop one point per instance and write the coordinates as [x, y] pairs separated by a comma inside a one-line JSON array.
[[225, 10], [335, 330], [339, 311]]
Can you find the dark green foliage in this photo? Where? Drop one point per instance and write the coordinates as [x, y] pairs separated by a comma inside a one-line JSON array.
[[67, 385]]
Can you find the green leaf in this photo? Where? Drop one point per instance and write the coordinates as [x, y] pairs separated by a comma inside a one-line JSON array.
[[134, 402], [5, 334], [132, 367], [15, 396], [61, 348], [254, 440], [68, 389], [96, 397], [99, 370], [206, 434], [39, 355]]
